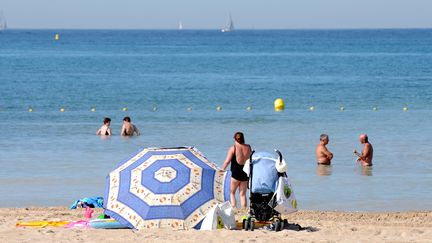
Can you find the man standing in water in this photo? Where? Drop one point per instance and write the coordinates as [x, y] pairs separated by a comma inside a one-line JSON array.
[[324, 156], [365, 158]]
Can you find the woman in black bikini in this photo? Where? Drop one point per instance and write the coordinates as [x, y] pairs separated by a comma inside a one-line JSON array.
[[237, 156]]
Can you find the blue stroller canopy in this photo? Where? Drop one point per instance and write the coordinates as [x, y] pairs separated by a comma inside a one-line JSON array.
[[264, 173]]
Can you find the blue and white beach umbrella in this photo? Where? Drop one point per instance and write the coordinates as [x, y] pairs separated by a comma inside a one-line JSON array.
[[165, 188]]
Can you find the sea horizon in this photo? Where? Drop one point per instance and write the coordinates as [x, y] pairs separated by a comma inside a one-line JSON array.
[[218, 29]]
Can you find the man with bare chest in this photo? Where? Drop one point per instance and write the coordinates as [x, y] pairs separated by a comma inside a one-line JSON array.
[[323, 155], [365, 158]]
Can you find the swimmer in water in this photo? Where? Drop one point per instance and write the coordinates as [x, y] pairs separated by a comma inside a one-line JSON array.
[[105, 129], [129, 129]]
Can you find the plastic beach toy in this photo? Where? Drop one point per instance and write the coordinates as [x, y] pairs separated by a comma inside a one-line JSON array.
[[106, 224]]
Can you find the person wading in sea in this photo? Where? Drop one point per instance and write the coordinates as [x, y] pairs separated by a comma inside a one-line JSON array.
[[323, 155], [365, 158], [105, 130], [129, 129]]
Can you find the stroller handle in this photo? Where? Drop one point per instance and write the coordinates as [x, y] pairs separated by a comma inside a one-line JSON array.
[[249, 185]]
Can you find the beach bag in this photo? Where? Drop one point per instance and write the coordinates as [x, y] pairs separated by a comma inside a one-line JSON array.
[[285, 199], [219, 217]]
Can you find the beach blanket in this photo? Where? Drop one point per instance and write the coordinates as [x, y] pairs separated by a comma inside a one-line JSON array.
[[92, 202]]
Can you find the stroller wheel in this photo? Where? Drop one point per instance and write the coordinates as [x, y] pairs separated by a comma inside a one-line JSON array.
[[277, 224], [252, 224], [248, 224]]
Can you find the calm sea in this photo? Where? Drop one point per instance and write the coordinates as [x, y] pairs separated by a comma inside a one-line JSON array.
[[171, 83]]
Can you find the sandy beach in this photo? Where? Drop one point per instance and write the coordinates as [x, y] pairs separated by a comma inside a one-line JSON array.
[[324, 227]]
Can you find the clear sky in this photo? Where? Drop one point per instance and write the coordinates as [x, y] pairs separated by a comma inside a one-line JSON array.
[[204, 14]]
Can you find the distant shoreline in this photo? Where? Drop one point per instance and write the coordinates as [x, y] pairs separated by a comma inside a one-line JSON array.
[[218, 30]]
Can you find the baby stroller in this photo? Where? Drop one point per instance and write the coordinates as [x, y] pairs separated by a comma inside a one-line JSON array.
[[263, 178]]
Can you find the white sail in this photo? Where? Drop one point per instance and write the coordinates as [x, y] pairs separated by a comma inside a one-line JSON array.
[[180, 26], [230, 26], [3, 23]]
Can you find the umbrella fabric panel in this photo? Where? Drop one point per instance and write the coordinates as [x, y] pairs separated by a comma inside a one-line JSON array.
[[180, 177]]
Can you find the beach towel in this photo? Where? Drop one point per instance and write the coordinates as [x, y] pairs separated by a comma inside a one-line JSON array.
[[42, 224]]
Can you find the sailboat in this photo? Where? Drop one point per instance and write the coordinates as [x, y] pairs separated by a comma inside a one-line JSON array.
[[180, 25], [230, 26], [3, 23]]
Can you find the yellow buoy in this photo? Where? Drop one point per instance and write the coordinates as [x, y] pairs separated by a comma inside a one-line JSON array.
[[312, 108], [375, 108], [62, 109], [125, 109], [342, 108], [93, 109], [30, 109], [219, 108], [57, 37], [279, 104], [249, 108], [405, 108]]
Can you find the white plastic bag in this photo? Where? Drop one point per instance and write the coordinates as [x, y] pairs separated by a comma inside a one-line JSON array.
[[285, 199], [227, 214], [210, 220], [219, 217]]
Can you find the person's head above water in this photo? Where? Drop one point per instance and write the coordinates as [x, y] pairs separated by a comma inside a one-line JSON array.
[[239, 137], [324, 138], [363, 138], [127, 119], [107, 121]]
